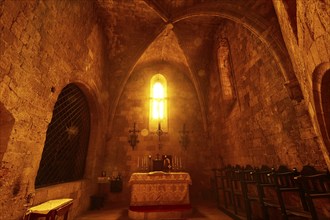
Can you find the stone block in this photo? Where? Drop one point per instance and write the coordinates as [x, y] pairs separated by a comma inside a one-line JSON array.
[[308, 133], [315, 54]]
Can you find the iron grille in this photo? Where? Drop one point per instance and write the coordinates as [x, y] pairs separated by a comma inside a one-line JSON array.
[[64, 155]]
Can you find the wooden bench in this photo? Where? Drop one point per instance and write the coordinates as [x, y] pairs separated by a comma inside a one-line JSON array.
[[267, 193], [50, 210]]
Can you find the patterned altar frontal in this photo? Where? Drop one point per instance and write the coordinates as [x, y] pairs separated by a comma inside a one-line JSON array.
[[160, 188]]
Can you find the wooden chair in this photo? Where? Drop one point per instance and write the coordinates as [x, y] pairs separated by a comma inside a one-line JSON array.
[[249, 189], [315, 185], [228, 189], [219, 175], [285, 182], [223, 187], [238, 194], [266, 190]]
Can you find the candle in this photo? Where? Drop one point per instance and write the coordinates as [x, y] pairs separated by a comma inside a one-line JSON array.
[[159, 126]]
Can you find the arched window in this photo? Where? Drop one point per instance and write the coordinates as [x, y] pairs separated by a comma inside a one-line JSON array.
[[158, 103], [64, 155], [226, 72], [325, 95], [321, 92]]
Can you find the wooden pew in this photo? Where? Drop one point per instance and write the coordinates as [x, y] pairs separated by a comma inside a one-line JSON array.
[[314, 186]]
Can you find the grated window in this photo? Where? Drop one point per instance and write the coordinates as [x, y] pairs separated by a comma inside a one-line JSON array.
[[64, 155]]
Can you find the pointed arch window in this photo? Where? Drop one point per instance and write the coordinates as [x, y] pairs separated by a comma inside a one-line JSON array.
[[158, 103], [321, 90], [226, 72]]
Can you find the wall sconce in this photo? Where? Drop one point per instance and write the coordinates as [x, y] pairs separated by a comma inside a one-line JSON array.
[[159, 131], [133, 137], [184, 138]]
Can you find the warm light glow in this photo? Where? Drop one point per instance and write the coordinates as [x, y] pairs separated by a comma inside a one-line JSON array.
[[158, 101], [158, 107], [158, 91]]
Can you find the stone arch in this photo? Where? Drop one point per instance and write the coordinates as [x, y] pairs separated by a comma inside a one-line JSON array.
[[321, 95], [252, 22], [6, 125], [97, 132]]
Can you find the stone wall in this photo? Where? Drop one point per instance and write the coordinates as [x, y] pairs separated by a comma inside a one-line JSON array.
[[45, 45], [265, 126], [309, 49]]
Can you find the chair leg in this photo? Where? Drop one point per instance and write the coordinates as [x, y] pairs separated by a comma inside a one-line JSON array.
[[224, 198], [264, 209], [282, 206], [233, 199], [66, 215], [246, 203], [223, 192], [312, 208], [248, 210]]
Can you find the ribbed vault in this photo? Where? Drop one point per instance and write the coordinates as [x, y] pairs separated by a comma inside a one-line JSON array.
[[142, 31]]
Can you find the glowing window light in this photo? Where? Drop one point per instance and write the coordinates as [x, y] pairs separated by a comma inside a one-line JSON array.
[[158, 101], [158, 107], [158, 90]]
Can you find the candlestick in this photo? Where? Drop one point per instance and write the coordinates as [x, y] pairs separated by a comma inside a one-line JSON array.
[[149, 163]]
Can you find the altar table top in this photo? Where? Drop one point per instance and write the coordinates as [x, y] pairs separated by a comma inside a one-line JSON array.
[[160, 177]]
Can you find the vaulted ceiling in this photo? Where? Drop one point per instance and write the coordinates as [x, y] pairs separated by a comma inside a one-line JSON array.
[[186, 27], [181, 32]]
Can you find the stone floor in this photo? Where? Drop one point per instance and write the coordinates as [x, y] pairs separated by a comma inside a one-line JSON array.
[[201, 210]]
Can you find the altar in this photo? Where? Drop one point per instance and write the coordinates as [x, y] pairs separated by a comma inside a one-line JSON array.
[[158, 193]]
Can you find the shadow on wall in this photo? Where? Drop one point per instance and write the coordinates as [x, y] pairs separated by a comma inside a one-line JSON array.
[[6, 125]]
